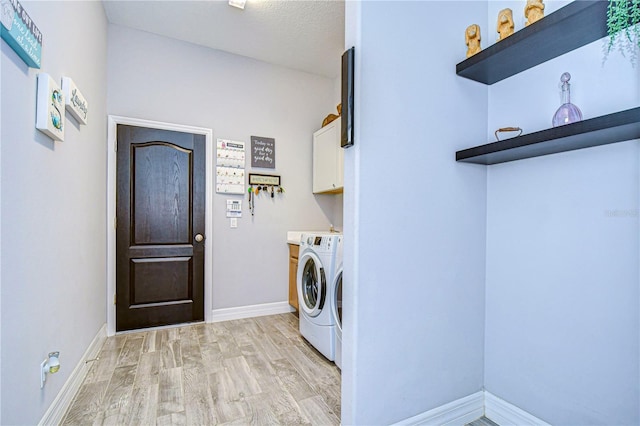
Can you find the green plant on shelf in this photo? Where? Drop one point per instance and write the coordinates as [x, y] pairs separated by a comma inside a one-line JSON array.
[[623, 27]]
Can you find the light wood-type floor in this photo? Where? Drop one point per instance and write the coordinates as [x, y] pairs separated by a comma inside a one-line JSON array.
[[482, 421], [256, 371]]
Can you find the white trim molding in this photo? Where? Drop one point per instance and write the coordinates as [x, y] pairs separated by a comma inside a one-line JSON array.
[[250, 311], [472, 407], [113, 122], [458, 412], [62, 401], [506, 414]]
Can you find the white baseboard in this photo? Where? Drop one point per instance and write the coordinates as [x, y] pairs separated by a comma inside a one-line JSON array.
[[61, 403], [472, 407], [506, 414], [458, 412], [241, 312]]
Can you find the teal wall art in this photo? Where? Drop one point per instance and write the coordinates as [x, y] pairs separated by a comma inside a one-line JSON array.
[[20, 32]]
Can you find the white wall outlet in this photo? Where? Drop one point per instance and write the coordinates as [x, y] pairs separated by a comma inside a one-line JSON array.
[[43, 372], [50, 365], [234, 222]]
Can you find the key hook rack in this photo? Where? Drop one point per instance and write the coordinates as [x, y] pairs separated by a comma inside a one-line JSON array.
[[269, 184]]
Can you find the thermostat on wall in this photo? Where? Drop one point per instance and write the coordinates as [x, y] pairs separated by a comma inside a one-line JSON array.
[[234, 208]]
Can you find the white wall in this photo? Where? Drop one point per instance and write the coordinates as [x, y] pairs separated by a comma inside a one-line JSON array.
[[562, 324], [0, 246], [414, 218], [161, 79], [53, 210]]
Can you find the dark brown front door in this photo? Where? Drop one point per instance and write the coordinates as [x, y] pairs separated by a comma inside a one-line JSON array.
[[160, 222]]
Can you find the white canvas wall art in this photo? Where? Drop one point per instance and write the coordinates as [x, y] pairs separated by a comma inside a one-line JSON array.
[[50, 108], [75, 103]]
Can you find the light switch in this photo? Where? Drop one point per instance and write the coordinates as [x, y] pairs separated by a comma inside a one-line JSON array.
[[234, 222]]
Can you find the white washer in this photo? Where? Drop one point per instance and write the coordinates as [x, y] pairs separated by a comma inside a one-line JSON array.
[[316, 267], [336, 305]]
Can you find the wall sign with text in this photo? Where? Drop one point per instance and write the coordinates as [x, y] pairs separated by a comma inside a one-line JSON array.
[[263, 152], [75, 103], [20, 32]]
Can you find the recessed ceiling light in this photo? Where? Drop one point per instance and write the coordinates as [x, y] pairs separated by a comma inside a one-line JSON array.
[[237, 3]]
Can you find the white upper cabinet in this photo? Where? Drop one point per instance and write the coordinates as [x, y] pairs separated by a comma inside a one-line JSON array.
[[328, 159]]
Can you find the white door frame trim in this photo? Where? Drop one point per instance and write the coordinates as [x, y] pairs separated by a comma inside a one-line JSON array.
[[113, 122]]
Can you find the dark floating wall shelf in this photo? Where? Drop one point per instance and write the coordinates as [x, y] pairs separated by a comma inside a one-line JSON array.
[[573, 26], [617, 127]]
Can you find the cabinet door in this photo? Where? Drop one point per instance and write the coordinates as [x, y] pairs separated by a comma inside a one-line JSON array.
[[293, 275], [340, 164], [327, 159]]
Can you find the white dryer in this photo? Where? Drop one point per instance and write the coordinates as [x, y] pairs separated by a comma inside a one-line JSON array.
[[316, 267], [337, 303]]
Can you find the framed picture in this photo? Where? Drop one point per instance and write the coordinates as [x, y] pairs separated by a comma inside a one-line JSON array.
[[258, 179], [50, 108], [346, 134], [263, 152]]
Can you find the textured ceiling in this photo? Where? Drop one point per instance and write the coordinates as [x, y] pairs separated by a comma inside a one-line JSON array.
[[298, 34]]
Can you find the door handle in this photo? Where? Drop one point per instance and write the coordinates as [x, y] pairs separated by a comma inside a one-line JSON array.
[[199, 238]]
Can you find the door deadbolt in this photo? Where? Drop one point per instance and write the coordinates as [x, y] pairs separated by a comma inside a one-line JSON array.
[[199, 238]]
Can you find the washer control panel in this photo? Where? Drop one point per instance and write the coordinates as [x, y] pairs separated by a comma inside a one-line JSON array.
[[324, 243]]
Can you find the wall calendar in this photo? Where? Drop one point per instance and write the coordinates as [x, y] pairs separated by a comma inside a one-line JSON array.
[[230, 160]]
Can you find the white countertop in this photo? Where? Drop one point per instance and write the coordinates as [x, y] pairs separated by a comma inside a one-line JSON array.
[[293, 237]]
